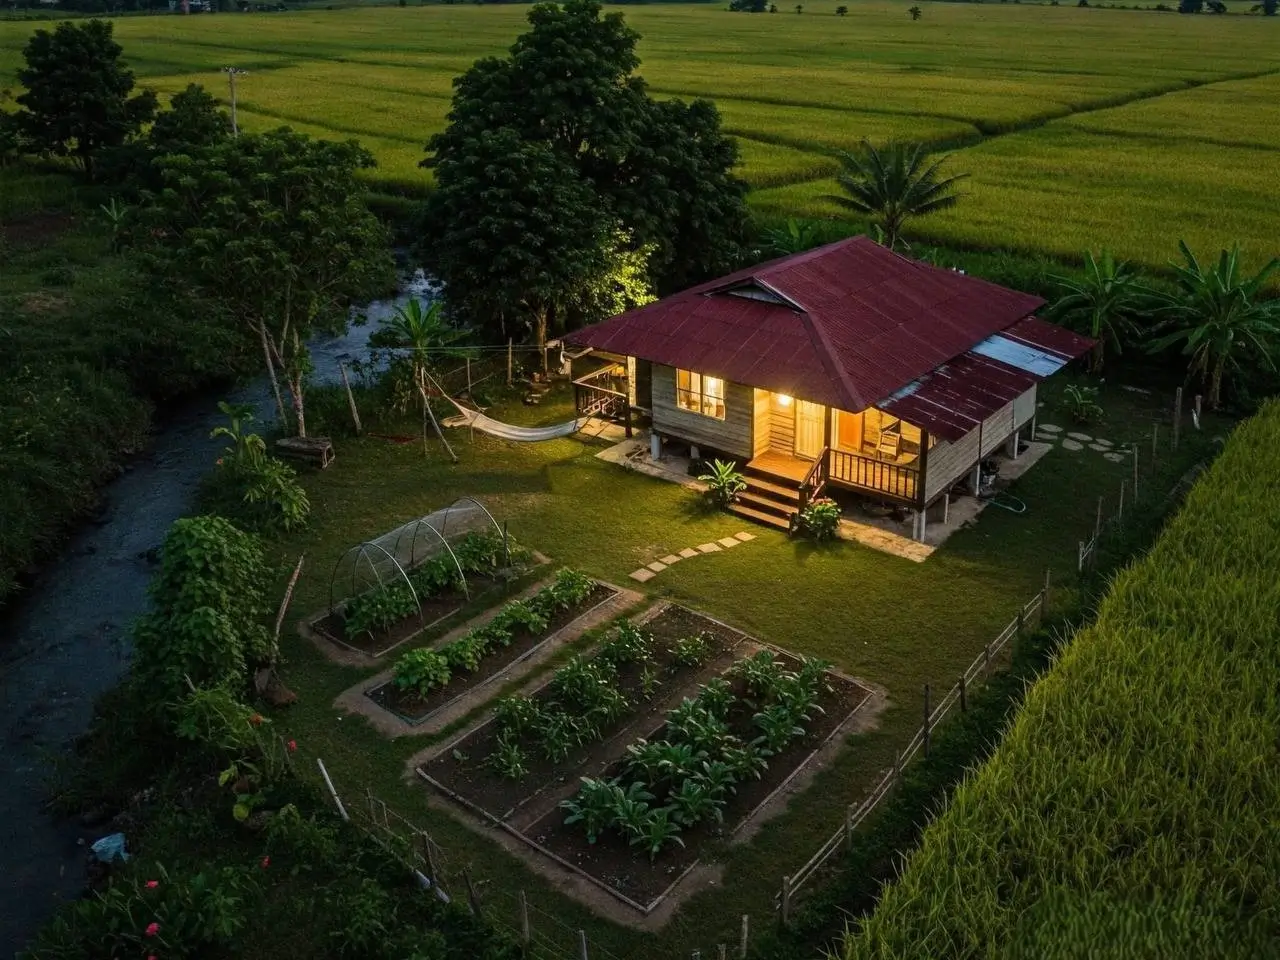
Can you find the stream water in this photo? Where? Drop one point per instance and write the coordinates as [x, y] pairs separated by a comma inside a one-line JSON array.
[[66, 641]]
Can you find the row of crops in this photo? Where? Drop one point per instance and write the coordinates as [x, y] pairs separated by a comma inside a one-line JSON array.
[[1134, 799]]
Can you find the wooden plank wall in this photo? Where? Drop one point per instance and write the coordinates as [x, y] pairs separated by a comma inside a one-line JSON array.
[[948, 462], [763, 406], [733, 435], [782, 427]]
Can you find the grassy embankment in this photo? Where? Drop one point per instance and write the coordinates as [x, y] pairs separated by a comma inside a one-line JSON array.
[[1078, 127]]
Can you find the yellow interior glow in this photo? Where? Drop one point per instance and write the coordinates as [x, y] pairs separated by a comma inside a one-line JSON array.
[[783, 400]]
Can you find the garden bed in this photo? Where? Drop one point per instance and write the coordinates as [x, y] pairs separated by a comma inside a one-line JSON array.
[[434, 610], [464, 767], [532, 808], [412, 707]]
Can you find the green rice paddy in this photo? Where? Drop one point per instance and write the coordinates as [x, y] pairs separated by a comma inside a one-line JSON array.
[[1078, 127]]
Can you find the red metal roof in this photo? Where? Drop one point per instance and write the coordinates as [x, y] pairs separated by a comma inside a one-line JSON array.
[[855, 323]]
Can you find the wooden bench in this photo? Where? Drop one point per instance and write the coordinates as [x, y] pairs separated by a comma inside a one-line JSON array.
[[313, 449]]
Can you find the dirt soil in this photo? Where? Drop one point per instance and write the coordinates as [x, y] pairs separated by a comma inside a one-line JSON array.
[[413, 708], [462, 765], [36, 229]]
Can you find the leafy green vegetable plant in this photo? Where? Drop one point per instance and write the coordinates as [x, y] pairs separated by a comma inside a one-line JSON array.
[[422, 671]]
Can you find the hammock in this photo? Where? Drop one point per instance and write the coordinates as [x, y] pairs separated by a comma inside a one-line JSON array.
[[507, 431]]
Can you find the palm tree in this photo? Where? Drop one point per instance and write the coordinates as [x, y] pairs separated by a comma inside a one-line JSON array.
[[893, 184], [796, 237], [916, 13], [841, 11], [426, 340], [1103, 304], [1217, 317]]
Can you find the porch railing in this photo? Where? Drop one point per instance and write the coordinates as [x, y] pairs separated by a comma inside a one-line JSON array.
[[856, 470], [594, 396], [815, 479]]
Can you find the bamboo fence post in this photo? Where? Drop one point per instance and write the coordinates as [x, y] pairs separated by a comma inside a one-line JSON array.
[[1097, 521], [337, 801], [1135, 473], [1120, 507], [473, 901], [509, 360], [468, 376], [525, 933], [351, 400], [964, 700], [1177, 417], [582, 945], [742, 937], [927, 732], [1155, 441], [786, 901], [1195, 411], [848, 827], [1044, 591], [284, 606]]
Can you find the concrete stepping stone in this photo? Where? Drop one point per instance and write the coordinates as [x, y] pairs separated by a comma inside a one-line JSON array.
[[671, 558], [744, 536], [1082, 437], [657, 566], [1101, 448], [729, 541], [642, 575], [688, 552], [1102, 440], [1113, 457], [1072, 445], [709, 548], [1048, 428]]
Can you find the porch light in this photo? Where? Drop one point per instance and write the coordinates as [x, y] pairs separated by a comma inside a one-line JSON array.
[[784, 400]]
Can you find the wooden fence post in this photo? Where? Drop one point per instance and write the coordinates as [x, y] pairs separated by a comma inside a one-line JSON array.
[[1097, 521], [582, 945], [468, 376], [337, 801], [436, 877], [1135, 473], [1044, 591], [926, 720], [525, 933], [848, 827], [509, 360], [1155, 441], [1195, 411], [473, 901], [1177, 417], [786, 901], [351, 400], [742, 937], [964, 701], [897, 765], [1120, 506]]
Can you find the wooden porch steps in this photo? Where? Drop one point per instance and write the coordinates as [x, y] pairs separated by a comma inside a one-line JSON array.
[[768, 499], [741, 509]]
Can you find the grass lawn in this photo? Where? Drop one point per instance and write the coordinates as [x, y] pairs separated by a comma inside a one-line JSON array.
[[1154, 126], [885, 620]]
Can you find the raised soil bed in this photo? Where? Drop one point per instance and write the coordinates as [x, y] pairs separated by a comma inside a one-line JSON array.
[[412, 708], [463, 766], [626, 871], [434, 610]]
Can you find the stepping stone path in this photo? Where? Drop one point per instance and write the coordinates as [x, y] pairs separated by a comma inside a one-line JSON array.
[[1100, 447], [1072, 445], [648, 572], [1048, 428], [1075, 441], [1113, 457], [1082, 437]]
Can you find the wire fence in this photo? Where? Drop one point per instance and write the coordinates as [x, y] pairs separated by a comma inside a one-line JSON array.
[[540, 934], [1030, 612]]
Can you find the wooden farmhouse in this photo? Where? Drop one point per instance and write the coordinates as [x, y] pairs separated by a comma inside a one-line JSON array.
[[846, 366]]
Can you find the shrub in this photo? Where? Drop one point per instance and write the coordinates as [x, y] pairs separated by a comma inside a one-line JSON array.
[[820, 519], [256, 490], [207, 607], [724, 482]]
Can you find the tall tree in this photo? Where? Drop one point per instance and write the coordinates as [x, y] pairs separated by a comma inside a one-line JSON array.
[[192, 121], [275, 226], [620, 163], [1103, 304], [1218, 317], [892, 185], [77, 100]]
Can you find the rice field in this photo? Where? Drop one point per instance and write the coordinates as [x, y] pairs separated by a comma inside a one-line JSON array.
[[1135, 794], [1078, 127]]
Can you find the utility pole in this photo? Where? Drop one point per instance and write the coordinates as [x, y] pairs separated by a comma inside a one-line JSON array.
[[232, 73]]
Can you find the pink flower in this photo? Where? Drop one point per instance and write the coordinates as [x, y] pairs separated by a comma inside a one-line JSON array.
[[152, 929], [292, 745], [152, 884], [266, 862], [256, 720]]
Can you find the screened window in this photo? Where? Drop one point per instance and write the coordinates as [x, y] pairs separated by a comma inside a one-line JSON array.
[[700, 394]]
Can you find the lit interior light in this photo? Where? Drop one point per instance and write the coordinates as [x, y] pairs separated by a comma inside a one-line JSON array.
[[784, 400]]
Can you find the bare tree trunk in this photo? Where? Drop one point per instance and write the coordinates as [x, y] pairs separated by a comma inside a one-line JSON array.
[[1215, 383], [271, 371], [295, 385]]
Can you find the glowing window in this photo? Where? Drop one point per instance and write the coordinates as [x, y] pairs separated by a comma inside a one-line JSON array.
[[700, 394]]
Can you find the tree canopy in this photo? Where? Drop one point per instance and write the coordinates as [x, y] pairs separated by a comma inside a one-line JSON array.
[[554, 156], [275, 226], [77, 100]]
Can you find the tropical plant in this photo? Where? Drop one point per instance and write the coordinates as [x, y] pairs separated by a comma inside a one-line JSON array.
[[820, 519], [916, 13], [1102, 305], [247, 484], [892, 185], [594, 806], [724, 482], [1081, 403], [655, 832], [508, 758], [425, 339], [1218, 317], [422, 671]]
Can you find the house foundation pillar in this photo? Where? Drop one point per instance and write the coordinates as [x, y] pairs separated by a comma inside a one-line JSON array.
[[694, 452], [975, 478], [1011, 447], [655, 447]]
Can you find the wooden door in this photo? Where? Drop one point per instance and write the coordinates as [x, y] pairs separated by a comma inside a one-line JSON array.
[[809, 429]]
